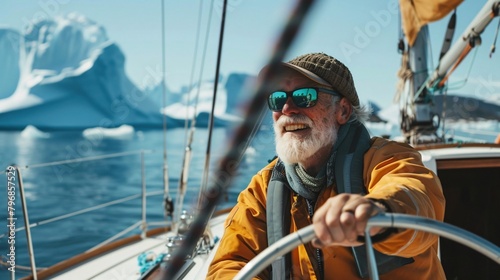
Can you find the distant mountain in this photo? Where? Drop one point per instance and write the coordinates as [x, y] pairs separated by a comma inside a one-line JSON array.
[[238, 88], [374, 111], [457, 108], [469, 108]]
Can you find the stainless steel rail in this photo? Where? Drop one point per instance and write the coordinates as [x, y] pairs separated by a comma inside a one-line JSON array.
[[26, 220], [142, 224]]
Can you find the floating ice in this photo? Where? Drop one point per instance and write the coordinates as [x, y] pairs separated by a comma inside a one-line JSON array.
[[33, 132], [123, 132]]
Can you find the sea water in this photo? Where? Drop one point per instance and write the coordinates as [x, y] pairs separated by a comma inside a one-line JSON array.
[[70, 186], [55, 190]]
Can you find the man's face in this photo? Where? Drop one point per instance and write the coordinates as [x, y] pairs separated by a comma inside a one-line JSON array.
[[300, 133]]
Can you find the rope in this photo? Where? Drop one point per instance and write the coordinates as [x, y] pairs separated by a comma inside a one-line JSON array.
[[146, 261], [404, 74]]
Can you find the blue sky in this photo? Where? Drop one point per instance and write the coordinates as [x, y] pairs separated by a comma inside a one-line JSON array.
[[361, 33]]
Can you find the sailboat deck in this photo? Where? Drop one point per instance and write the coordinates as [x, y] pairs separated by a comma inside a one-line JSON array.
[[120, 261]]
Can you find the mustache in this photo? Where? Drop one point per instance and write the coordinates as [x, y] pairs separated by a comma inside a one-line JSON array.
[[286, 120]]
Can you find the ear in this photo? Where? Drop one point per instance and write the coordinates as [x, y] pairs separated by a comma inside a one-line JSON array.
[[344, 111]]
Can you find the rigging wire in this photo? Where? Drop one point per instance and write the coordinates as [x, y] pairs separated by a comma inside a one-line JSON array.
[[443, 114], [450, 31], [429, 50], [202, 66], [227, 165], [190, 135], [167, 201], [193, 66], [206, 167], [463, 82], [430, 61]]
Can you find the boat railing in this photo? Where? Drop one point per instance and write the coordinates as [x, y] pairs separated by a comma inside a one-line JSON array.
[[15, 177]]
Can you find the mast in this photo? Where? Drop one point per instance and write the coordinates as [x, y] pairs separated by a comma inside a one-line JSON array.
[[418, 117], [418, 113]]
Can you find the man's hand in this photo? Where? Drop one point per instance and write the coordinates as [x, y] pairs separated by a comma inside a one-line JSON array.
[[343, 218]]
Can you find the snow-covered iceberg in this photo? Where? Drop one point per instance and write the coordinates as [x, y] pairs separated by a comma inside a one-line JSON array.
[[71, 76], [33, 132], [228, 108], [65, 73], [123, 132], [9, 61]]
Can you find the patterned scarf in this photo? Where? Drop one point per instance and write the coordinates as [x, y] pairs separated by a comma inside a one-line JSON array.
[[302, 183]]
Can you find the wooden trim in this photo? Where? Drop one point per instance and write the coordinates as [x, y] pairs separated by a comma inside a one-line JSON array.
[[64, 265], [421, 147], [467, 163]]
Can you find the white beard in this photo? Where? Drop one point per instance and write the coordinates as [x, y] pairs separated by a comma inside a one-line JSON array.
[[292, 149]]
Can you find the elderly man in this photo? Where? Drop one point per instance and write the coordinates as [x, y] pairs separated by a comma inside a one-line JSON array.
[[330, 173]]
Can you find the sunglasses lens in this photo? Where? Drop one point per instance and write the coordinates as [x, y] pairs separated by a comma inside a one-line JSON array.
[[277, 100], [305, 97], [302, 98]]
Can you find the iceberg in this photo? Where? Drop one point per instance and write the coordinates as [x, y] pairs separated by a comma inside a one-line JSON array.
[[197, 103], [9, 61], [123, 132], [66, 74], [70, 76], [33, 132]]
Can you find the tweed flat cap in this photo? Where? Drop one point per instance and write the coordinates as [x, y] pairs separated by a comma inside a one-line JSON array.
[[327, 71]]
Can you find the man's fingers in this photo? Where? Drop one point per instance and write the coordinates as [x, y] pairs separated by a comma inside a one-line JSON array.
[[348, 225], [342, 219]]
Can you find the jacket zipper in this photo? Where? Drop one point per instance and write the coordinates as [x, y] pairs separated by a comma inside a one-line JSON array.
[[319, 254]]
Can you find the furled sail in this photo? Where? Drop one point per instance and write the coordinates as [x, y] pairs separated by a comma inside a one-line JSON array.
[[417, 13]]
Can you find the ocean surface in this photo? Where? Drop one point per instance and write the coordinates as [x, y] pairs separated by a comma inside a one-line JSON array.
[[56, 190]]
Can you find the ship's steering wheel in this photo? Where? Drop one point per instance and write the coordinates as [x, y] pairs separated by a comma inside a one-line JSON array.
[[305, 235]]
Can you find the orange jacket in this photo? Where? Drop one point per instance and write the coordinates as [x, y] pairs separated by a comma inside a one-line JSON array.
[[392, 171]]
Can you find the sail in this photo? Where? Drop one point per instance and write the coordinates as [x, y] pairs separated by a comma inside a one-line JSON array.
[[417, 13]]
